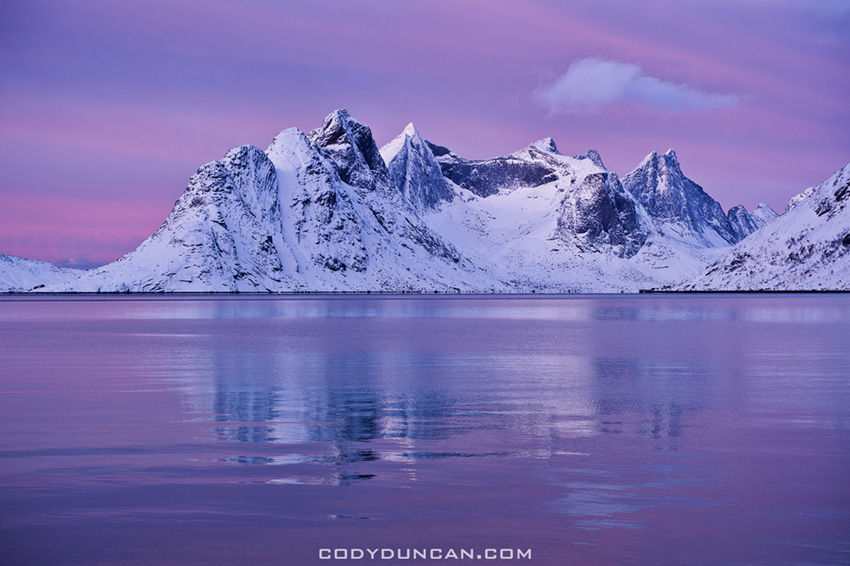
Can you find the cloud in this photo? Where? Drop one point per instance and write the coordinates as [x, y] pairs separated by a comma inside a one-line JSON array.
[[593, 83]]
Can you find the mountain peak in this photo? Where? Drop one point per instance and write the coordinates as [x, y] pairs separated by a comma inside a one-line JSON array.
[[409, 135], [546, 144], [595, 158], [414, 170], [659, 184], [340, 114], [766, 209], [651, 160], [335, 125], [349, 144], [745, 222], [410, 130], [667, 160]]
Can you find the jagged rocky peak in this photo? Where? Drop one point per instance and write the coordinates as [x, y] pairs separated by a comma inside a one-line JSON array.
[[414, 170], [410, 130], [671, 198], [547, 145], [410, 135], [742, 221], [594, 156], [745, 222], [654, 177], [349, 144], [657, 166]]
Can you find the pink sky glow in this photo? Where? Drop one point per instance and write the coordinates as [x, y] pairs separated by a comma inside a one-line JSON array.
[[107, 108]]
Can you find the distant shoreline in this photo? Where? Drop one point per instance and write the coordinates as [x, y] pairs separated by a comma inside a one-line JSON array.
[[394, 294]]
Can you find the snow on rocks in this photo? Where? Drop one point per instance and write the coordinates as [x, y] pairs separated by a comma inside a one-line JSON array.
[[329, 211]]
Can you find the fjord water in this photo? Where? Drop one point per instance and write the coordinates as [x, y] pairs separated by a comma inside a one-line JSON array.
[[651, 429]]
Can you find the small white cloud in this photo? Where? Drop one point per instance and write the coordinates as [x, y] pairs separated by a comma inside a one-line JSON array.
[[593, 83]]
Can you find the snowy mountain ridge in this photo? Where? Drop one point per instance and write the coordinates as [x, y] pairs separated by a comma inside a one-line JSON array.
[[21, 274], [807, 248], [330, 211]]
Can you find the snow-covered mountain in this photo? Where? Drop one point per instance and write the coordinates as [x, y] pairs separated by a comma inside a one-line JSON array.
[[680, 207], [414, 170], [543, 221], [807, 248], [21, 274], [329, 211], [311, 213], [745, 222]]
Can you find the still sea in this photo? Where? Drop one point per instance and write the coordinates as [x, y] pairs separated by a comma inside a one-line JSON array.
[[299, 430]]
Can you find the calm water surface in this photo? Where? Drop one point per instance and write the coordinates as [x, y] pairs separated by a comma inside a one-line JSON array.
[[586, 429]]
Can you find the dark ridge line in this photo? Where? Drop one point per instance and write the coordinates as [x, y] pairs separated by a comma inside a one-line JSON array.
[[740, 291]]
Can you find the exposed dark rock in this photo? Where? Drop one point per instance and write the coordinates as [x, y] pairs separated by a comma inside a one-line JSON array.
[[438, 150], [600, 213], [489, 176], [667, 195], [349, 144]]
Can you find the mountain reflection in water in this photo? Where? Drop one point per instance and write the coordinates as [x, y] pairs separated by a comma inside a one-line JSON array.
[[592, 429]]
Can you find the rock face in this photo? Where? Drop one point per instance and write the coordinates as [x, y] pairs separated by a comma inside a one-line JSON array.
[[328, 211], [602, 216], [807, 248], [593, 211], [490, 176], [670, 198], [414, 170], [744, 222]]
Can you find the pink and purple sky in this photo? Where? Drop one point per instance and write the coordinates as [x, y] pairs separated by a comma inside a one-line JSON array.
[[107, 108]]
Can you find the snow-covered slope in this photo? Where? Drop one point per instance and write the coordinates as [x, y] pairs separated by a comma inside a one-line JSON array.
[[548, 222], [807, 248], [20, 274], [542, 221]]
